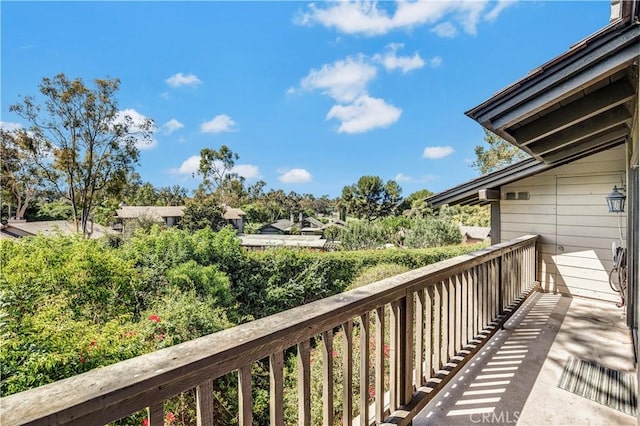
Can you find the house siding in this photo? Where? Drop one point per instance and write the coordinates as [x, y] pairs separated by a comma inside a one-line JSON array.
[[567, 208]]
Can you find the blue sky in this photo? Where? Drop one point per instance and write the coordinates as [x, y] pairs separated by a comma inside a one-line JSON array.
[[310, 96]]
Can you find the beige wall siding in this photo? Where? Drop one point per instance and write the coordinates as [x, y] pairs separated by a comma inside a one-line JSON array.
[[567, 208]]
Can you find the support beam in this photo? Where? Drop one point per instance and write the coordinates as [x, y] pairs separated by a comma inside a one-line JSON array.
[[495, 222], [596, 125], [489, 194], [584, 108]]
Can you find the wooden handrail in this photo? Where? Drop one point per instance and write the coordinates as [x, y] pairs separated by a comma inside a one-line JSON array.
[[109, 393]]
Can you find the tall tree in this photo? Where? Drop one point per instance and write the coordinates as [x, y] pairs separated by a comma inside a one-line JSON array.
[[499, 154], [82, 141], [20, 176], [215, 168], [370, 198]]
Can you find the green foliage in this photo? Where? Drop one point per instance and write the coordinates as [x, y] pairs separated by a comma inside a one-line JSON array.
[[202, 212], [55, 210], [467, 215], [81, 141], [361, 235], [499, 154], [205, 281], [370, 198], [375, 273], [432, 233]]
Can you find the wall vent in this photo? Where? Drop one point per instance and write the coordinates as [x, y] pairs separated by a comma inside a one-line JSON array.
[[522, 195]]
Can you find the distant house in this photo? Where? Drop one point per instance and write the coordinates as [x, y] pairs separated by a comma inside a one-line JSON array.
[[172, 215], [235, 217], [282, 226], [22, 228], [311, 226], [475, 234], [168, 215]]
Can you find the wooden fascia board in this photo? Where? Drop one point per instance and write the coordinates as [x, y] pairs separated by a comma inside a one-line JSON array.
[[552, 86]]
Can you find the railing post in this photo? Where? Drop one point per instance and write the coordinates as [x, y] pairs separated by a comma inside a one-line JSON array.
[[500, 285], [204, 403], [276, 386]]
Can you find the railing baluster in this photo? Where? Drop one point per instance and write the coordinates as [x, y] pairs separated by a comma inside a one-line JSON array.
[[304, 383], [364, 370], [327, 377], [380, 326], [204, 403], [406, 336], [451, 284], [419, 342], [472, 281], [347, 373], [464, 295], [155, 414], [461, 311], [245, 401], [394, 349], [429, 328], [443, 333], [276, 386]]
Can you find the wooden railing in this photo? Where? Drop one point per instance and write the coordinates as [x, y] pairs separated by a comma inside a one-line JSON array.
[[433, 318]]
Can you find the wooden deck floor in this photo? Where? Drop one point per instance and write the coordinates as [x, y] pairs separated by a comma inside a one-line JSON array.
[[514, 378]]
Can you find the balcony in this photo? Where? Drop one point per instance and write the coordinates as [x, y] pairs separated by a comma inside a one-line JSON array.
[[401, 342]]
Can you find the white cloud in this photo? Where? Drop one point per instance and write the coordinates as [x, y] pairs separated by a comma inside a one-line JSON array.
[[180, 79], [365, 113], [247, 171], [401, 177], [445, 30], [436, 152], [164, 95], [344, 80], [138, 124], [501, 5], [295, 176], [10, 126], [188, 166], [218, 124], [392, 61], [171, 126], [372, 18], [435, 62]]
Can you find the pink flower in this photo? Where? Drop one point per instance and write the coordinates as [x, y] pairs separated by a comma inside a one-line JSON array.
[[372, 392], [170, 417], [154, 318], [82, 360], [335, 354], [160, 336], [145, 422], [385, 349]]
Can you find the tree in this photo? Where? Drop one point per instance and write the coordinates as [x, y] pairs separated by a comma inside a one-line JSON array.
[[370, 198], [81, 141], [499, 154], [215, 168], [20, 175], [201, 212]]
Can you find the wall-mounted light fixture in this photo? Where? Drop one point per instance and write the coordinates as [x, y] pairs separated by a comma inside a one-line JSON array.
[[615, 200]]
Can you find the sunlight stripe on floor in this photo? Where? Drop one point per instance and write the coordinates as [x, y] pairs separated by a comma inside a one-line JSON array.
[[484, 370], [484, 384], [469, 411], [504, 362], [484, 391], [495, 376], [478, 401]]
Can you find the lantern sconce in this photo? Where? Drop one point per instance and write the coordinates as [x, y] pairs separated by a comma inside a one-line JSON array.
[[616, 199]]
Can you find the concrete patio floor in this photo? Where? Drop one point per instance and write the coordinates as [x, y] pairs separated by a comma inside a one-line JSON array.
[[514, 378]]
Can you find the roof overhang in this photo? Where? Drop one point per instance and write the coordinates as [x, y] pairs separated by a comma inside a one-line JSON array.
[[579, 103]]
